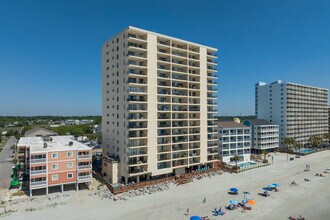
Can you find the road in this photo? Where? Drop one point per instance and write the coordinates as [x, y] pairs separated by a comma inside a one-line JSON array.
[[6, 164]]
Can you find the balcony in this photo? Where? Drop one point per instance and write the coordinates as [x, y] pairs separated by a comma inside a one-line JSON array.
[[38, 183], [137, 46], [84, 167], [84, 156], [40, 160], [137, 36], [85, 178], [38, 172]]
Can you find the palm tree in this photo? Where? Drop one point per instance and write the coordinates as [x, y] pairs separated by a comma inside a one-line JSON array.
[[236, 158], [327, 137], [289, 143], [296, 145], [264, 153], [315, 141]]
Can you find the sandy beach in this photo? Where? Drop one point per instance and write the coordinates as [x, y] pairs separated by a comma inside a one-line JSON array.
[[309, 199]]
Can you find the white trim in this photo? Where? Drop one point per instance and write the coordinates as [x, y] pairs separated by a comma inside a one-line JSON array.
[[62, 171], [68, 154], [52, 155], [67, 176]]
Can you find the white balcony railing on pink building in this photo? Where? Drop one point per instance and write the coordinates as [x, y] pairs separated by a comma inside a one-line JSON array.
[[41, 160], [87, 177], [84, 156], [36, 172], [38, 183], [82, 167]]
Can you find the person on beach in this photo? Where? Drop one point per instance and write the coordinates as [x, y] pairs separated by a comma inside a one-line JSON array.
[[187, 212], [204, 201]]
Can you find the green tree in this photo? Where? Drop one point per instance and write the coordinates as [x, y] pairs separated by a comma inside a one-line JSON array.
[[0, 138], [327, 137], [264, 153], [315, 141], [236, 158], [289, 142]]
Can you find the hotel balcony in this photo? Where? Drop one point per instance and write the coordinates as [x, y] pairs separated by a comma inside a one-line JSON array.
[[179, 131], [163, 149], [164, 165], [177, 92], [164, 140], [163, 157], [194, 123], [194, 79], [137, 169], [137, 116], [84, 155], [164, 107], [178, 76], [137, 134], [194, 138], [163, 50], [164, 58], [134, 89], [136, 73], [137, 64], [164, 83], [134, 161], [180, 116], [180, 139], [137, 82], [164, 132], [163, 91], [132, 107], [136, 56], [179, 123], [194, 115], [137, 143], [164, 75], [211, 54], [137, 36], [164, 124], [139, 47], [179, 155], [163, 41], [194, 146], [195, 94], [180, 162], [137, 125], [194, 160], [134, 152], [179, 108], [180, 85], [180, 147], [211, 75], [164, 67], [193, 56], [137, 98], [164, 116], [179, 69], [211, 62]]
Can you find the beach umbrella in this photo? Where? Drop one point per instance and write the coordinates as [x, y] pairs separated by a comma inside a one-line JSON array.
[[246, 193], [195, 218], [233, 202], [233, 190], [266, 189], [271, 186], [244, 201], [251, 202], [276, 184]]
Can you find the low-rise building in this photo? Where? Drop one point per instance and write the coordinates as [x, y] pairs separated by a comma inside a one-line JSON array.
[[264, 135], [40, 132], [56, 161], [234, 140], [72, 122], [86, 121]]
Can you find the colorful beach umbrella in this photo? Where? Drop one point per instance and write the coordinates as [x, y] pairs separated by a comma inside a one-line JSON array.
[[251, 202], [233, 202], [233, 189], [195, 218]]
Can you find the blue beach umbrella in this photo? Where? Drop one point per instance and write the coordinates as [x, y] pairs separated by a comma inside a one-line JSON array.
[[266, 189], [246, 193], [233, 190], [244, 202], [271, 186], [195, 218], [276, 184], [233, 202]]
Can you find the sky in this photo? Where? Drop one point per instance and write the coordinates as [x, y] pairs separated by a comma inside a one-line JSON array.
[[50, 51]]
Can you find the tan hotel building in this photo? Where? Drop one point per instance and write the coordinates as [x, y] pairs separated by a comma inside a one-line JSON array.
[[159, 105]]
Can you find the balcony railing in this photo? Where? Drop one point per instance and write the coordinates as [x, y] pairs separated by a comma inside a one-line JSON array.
[[83, 167], [85, 177], [41, 160], [38, 183], [36, 172], [83, 156]]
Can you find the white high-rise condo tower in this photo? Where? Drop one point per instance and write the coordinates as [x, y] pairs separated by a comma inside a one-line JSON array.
[[159, 105], [299, 110]]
